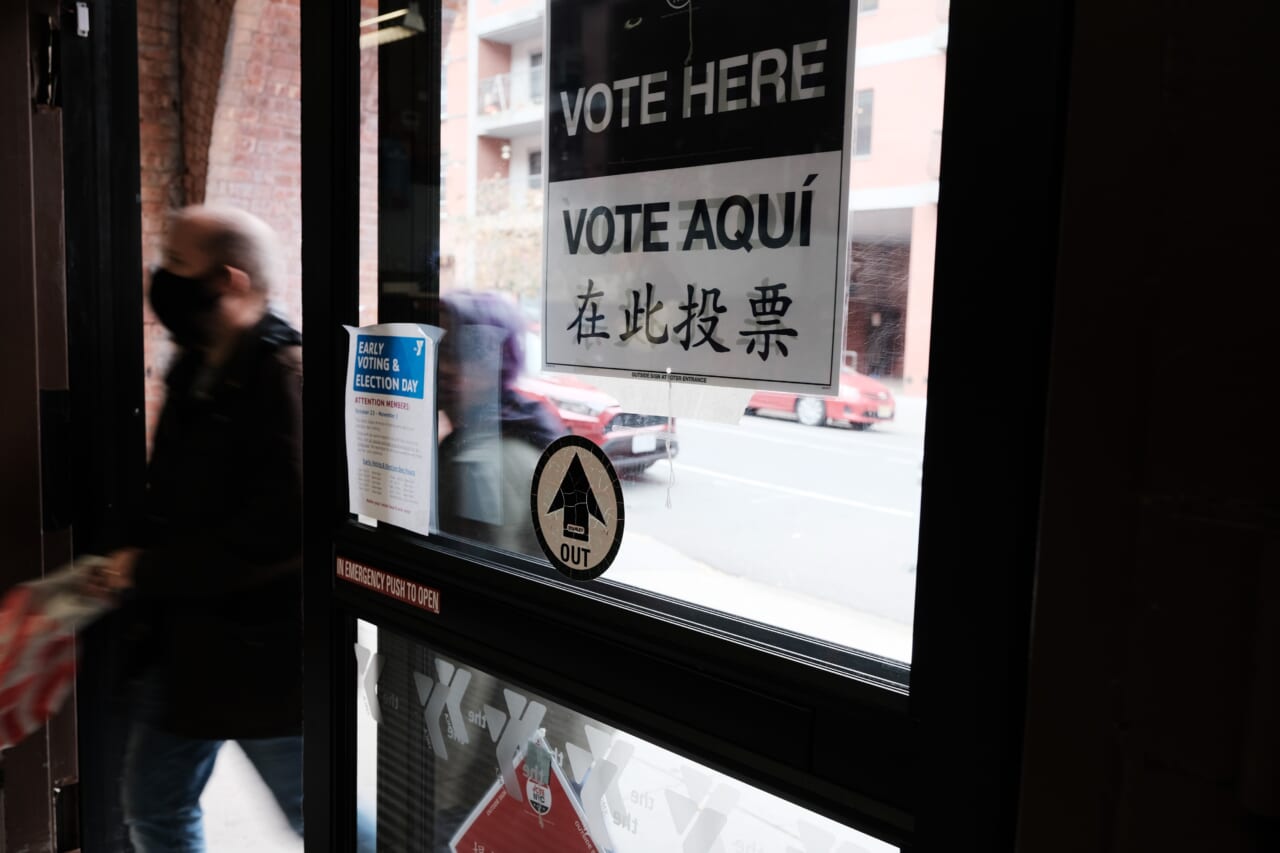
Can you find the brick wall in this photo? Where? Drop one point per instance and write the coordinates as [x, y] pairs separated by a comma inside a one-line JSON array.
[[489, 162], [493, 58], [219, 84], [162, 166], [255, 153], [203, 30], [877, 286], [180, 53]]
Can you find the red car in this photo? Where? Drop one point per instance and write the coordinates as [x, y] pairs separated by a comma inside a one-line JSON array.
[[862, 401], [632, 442]]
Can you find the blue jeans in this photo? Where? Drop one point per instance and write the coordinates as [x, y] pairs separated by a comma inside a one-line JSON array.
[[164, 775]]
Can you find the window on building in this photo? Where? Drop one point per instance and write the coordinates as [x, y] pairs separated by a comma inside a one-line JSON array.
[[535, 77], [535, 170], [865, 6], [444, 200], [862, 100]]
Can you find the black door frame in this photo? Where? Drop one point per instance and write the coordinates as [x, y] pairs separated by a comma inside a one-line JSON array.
[[103, 229], [927, 766], [81, 140], [25, 782]]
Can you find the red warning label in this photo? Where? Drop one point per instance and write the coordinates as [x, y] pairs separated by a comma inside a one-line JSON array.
[[392, 586]]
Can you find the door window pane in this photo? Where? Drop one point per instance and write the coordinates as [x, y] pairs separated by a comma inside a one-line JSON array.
[[803, 512], [862, 102], [463, 760], [535, 170], [535, 76]]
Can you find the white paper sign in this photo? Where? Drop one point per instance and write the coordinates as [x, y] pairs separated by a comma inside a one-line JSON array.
[[391, 423], [764, 317], [697, 192]]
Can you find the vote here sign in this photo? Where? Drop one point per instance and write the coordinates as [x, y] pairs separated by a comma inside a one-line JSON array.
[[697, 194]]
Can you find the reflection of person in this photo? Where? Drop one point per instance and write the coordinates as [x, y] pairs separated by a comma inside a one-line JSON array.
[[215, 563], [487, 460], [486, 463]]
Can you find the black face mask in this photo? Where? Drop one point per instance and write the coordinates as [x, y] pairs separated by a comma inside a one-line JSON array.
[[183, 305]]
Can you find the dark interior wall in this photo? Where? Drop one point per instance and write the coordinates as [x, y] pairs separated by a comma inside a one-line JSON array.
[[34, 509], [20, 520], [24, 810], [1153, 702]]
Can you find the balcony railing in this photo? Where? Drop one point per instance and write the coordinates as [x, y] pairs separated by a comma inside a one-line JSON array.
[[510, 91]]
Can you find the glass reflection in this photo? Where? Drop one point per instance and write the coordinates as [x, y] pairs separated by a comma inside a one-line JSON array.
[[464, 761], [798, 511]]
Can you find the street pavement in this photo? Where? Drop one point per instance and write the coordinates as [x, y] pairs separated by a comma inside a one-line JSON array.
[[240, 815], [810, 529]]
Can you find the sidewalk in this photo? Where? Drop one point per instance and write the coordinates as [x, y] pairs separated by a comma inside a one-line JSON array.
[[909, 418], [659, 568], [239, 814]]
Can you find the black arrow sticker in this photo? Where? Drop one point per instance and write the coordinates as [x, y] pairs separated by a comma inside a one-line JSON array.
[[576, 501]]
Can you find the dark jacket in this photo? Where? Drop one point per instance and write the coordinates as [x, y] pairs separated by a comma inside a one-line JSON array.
[[491, 470], [219, 579]]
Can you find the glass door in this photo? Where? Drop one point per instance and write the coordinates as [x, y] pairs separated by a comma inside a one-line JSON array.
[[622, 532]]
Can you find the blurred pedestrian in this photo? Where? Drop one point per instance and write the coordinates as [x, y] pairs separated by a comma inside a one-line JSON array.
[[487, 460], [214, 564]]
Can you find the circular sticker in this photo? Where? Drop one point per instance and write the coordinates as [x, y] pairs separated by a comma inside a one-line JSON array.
[[576, 502]]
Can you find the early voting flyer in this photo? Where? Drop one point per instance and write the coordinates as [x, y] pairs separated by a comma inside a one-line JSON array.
[[391, 423]]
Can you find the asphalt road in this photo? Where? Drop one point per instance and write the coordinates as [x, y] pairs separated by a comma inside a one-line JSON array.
[[828, 512]]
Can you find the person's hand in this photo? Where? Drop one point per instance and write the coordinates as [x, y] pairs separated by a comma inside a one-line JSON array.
[[116, 574], [119, 570]]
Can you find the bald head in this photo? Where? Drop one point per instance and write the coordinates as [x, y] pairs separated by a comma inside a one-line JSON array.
[[203, 238]]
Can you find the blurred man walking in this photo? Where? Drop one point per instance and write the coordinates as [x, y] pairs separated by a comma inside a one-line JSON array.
[[214, 566]]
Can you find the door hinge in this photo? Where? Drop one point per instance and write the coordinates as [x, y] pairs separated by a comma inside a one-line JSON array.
[[45, 61]]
